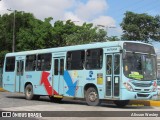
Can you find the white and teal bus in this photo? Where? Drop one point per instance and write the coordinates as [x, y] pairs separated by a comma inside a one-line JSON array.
[[118, 71]]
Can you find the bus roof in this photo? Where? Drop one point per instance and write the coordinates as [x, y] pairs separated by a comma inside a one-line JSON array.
[[75, 47]]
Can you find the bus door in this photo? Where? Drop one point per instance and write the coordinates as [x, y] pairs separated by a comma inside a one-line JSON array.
[[58, 82], [19, 75], [113, 75]]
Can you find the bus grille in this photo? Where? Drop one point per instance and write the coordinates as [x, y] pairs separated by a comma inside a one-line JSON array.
[[142, 95], [142, 84]]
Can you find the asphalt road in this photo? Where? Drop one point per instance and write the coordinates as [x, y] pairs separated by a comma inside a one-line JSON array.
[[77, 108]]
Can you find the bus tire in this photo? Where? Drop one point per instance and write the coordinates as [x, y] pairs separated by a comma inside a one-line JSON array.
[[92, 97], [36, 97], [55, 100], [29, 92], [121, 103]]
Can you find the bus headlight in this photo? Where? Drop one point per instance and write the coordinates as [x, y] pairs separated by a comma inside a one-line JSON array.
[[128, 86]]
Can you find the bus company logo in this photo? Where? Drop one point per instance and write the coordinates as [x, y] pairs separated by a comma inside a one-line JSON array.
[[90, 76], [28, 76]]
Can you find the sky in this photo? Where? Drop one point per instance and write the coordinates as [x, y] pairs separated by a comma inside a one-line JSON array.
[[108, 13]]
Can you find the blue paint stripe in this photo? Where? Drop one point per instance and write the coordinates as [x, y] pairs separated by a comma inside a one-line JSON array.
[[70, 84]]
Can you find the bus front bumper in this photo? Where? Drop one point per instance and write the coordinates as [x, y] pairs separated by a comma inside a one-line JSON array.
[[128, 95]]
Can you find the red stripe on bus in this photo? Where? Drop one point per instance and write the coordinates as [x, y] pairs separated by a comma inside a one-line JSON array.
[[47, 85]]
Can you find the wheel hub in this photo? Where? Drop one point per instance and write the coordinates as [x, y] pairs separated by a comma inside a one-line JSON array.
[[92, 96], [28, 92]]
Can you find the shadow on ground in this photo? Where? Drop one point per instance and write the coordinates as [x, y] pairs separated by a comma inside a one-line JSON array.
[[132, 105]]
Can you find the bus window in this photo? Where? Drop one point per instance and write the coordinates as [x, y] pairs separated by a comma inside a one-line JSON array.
[[75, 60], [56, 66], [10, 64], [144, 66], [116, 64], [61, 66], [94, 59], [20, 68], [44, 62], [30, 62], [109, 64]]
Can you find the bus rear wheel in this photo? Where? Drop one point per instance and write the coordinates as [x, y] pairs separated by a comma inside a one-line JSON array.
[[92, 97], [121, 103], [29, 93], [55, 100]]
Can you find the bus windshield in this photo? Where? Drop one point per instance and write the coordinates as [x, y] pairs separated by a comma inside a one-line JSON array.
[[139, 66]]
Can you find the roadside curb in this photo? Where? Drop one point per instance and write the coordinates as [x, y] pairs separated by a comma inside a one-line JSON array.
[[2, 90], [144, 103]]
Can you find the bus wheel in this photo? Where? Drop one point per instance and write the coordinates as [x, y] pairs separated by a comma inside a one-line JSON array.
[[29, 92], [91, 96], [121, 103], [56, 100]]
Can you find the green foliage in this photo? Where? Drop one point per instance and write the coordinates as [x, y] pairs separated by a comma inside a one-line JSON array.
[[5, 32], [35, 36], [70, 34], [113, 38], [32, 33], [85, 34], [140, 27], [2, 54]]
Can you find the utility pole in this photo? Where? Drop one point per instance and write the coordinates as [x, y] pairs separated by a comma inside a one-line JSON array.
[[14, 25]]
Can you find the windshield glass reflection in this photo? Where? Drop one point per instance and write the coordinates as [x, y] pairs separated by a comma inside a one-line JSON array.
[[140, 66]]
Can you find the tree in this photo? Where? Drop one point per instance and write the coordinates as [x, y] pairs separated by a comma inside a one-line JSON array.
[[156, 36], [61, 30], [113, 38], [28, 34], [6, 31], [37, 35], [141, 27], [85, 34], [32, 33]]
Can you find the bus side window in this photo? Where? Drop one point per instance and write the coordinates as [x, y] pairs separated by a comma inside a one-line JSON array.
[[75, 60], [20, 67], [61, 66], [56, 63], [109, 64], [117, 64], [94, 58], [69, 56], [44, 62], [30, 63], [10, 64]]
